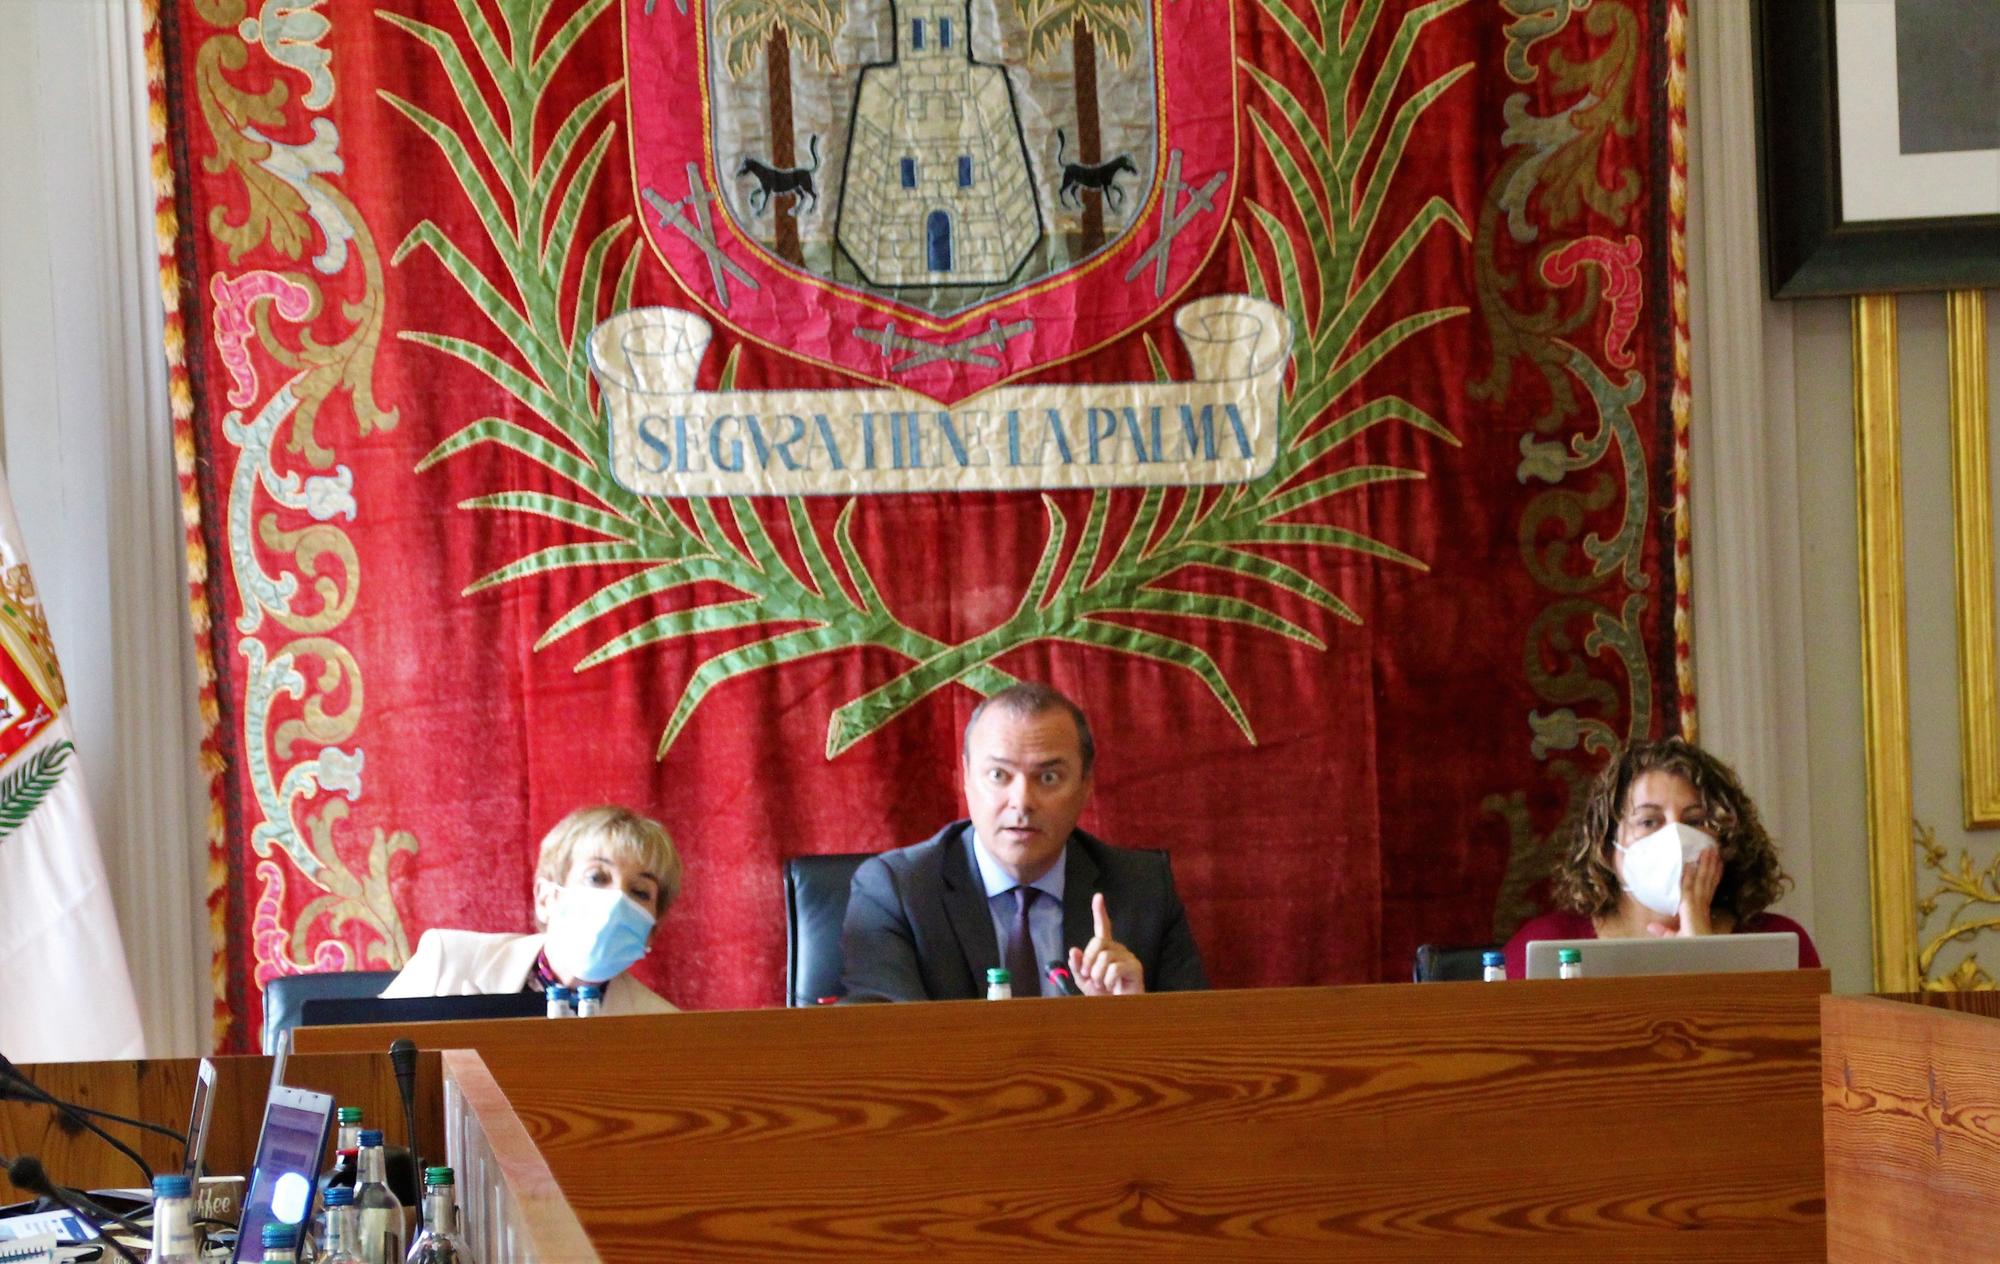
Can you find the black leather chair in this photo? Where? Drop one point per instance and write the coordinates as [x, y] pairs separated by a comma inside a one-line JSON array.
[[286, 994], [1449, 965], [815, 907]]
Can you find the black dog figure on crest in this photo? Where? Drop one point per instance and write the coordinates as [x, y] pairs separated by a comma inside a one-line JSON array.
[[776, 181], [1099, 175]]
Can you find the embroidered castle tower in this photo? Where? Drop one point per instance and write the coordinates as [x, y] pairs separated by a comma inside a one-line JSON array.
[[937, 188]]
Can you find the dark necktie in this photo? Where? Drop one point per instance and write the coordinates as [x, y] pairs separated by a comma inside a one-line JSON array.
[[1027, 975]]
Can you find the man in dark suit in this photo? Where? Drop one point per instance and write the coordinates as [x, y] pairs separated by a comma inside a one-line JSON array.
[[1017, 885]]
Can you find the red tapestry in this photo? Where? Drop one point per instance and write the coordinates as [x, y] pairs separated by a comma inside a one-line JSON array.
[[699, 404]]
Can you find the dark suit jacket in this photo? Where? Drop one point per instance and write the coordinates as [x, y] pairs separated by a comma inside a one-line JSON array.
[[918, 927]]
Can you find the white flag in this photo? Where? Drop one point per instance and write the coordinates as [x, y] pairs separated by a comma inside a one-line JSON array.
[[65, 990]]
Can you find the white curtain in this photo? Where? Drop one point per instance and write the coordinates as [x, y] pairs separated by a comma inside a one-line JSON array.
[[87, 441]]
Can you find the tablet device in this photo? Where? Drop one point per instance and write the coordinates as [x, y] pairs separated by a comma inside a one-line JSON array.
[[198, 1117], [1701, 954], [298, 1123]]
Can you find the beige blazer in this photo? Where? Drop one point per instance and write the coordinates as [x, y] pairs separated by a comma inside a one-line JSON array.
[[477, 963]]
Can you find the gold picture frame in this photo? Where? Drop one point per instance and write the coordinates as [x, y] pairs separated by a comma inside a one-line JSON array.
[[1885, 656], [1972, 532]]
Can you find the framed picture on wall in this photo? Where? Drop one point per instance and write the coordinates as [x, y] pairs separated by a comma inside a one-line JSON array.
[[1879, 131]]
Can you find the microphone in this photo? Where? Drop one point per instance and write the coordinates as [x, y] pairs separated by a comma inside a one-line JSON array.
[[28, 1173], [1060, 976], [403, 1058], [20, 1078], [14, 1091]]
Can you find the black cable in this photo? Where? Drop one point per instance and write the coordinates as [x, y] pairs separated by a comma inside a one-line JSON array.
[[28, 1173], [15, 1073], [13, 1090]]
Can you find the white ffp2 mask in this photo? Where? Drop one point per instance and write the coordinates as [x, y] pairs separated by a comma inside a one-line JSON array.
[[1653, 864]]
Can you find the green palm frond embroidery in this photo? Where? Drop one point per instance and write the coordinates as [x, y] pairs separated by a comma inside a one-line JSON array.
[[527, 188], [22, 790]]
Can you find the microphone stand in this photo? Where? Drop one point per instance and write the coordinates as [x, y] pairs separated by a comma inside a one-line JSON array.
[[28, 1173], [403, 1059]]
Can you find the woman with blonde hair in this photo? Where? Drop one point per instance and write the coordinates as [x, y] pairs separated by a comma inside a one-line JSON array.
[[604, 878], [1667, 844]]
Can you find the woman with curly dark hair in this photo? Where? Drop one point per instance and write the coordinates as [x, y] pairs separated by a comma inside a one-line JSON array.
[[1667, 844]]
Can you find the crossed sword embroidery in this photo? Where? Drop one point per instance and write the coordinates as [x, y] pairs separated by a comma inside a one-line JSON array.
[[701, 232], [1173, 220]]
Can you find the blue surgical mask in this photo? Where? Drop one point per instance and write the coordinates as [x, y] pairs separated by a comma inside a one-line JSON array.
[[596, 933]]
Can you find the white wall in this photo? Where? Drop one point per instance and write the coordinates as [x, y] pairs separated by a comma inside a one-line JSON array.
[[1776, 582], [87, 445]]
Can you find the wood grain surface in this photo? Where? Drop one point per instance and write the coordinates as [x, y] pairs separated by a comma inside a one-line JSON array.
[[509, 1204], [1589, 1121], [159, 1091], [1912, 1105]]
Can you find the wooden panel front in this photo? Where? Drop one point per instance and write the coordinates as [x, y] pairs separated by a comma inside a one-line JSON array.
[[159, 1091], [1912, 1104], [509, 1205], [1666, 1119]]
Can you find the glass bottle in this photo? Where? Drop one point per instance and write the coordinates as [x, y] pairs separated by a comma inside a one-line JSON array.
[[174, 1237], [999, 985], [342, 1230], [281, 1242], [350, 1129], [562, 1002], [1493, 967], [1569, 963], [438, 1242], [379, 1212], [589, 1000]]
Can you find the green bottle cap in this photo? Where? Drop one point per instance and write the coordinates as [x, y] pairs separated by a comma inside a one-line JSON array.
[[1568, 956], [437, 1176], [997, 975], [350, 1114]]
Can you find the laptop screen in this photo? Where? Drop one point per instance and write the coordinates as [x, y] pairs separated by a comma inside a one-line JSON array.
[[198, 1116], [297, 1124]]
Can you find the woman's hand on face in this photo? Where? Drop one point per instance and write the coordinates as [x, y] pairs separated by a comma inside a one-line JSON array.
[[1699, 879]]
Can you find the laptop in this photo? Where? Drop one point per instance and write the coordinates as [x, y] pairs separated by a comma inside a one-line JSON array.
[[345, 1011], [291, 1149], [198, 1117], [1702, 954]]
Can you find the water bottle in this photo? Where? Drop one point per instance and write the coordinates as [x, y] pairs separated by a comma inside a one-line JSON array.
[[999, 985], [350, 1129], [174, 1238], [562, 1002], [1493, 967], [589, 1000], [340, 1246], [281, 1242], [377, 1209], [1569, 963], [438, 1243]]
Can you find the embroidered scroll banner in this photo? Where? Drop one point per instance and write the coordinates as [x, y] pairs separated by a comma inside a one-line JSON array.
[[699, 404], [668, 439]]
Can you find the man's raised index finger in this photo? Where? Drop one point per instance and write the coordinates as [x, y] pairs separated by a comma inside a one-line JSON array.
[[1100, 917]]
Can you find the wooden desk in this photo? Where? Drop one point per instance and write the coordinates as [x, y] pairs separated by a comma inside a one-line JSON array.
[[159, 1090], [1636, 1120], [1912, 1109]]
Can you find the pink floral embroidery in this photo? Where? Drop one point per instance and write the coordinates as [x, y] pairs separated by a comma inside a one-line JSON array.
[[269, 939], [1623, 286], [233, 298]]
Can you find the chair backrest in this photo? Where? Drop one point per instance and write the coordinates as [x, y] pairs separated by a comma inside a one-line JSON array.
[[815, 907], [1449, 965], [286, 994]]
